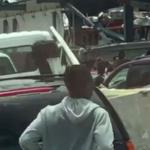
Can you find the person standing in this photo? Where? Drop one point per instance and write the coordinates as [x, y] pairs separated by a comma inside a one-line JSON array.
[[121, 58], [100, 67], [103, 67], [76, 123]]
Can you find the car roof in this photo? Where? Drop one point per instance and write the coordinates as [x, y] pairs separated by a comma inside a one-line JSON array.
[[120, 46], [142, 60], [23, 38], [136, 61]]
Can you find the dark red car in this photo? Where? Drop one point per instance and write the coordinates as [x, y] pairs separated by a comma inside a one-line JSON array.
[[133, 74]]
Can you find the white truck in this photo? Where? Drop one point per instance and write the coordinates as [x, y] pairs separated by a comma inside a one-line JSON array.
[[18, 49]]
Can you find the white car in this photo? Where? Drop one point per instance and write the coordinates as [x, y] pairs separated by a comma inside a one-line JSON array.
[[128, 90]]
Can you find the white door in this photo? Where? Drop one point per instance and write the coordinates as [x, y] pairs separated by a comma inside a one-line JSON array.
[[134, 110]]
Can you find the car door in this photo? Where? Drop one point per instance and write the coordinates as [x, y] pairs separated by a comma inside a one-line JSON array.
[[133, 103], [134, 110]]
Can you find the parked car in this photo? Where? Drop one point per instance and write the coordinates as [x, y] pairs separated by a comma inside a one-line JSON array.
[[134, 74], [18, 47], [108, 52], [24, 94], [128, 90]]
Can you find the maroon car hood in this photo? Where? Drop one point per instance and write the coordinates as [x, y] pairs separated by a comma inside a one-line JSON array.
[[26, 91]]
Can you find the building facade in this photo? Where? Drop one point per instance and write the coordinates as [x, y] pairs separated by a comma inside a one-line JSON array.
[[36, 16]]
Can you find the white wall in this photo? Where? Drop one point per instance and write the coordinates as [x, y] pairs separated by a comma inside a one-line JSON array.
[[36, 17]]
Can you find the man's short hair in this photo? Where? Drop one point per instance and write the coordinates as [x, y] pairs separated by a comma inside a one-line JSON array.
[[78, 81]]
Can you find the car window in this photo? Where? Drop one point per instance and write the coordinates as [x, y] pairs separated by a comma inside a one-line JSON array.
[[6, 67], [21, 57], [142, 73], [24, 60], [119, 80]]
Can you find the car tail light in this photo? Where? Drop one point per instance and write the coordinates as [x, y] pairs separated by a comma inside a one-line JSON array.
[[130, 145]]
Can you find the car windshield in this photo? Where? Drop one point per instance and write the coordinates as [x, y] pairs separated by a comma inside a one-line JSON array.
[[21, 58], [22, 61]]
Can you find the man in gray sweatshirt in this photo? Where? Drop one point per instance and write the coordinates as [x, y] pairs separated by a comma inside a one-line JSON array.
[[74, 124]]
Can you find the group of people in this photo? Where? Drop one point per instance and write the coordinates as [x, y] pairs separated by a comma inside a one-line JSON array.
[[104, 67]]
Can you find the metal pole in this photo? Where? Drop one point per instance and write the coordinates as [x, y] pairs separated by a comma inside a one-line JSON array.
[[73, 29], [90, 23], [128, 22]]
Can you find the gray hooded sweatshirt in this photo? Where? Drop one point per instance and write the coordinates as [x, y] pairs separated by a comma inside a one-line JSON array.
[[74, 124]]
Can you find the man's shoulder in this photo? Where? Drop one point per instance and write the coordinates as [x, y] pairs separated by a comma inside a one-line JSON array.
[[52, 113], [100, 113], [51, 108]]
